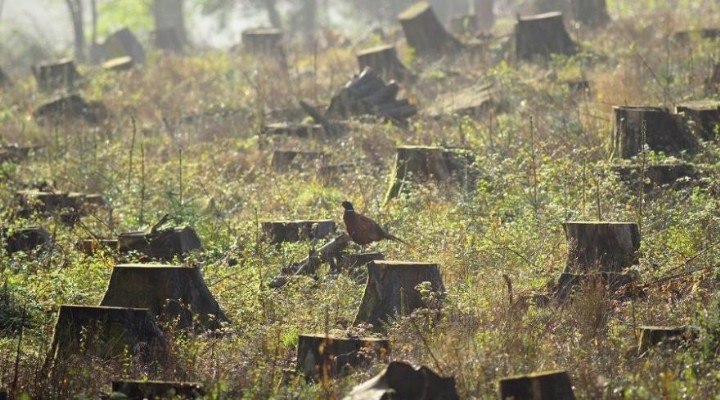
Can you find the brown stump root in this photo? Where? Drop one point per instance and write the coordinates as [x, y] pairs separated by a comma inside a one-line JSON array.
[[541, 35], [390, 290], [384, 60], [663, 131], [173, 293], [330, 356], [553, 385], [601, 246], [139, 390], [404, 381], [675, 336], [425, 33]]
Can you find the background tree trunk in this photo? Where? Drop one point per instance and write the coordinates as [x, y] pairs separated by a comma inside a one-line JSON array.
[[76, 14], [273, 14], [168, 14]]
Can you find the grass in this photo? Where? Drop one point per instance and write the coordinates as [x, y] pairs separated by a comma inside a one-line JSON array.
[[533, 176]]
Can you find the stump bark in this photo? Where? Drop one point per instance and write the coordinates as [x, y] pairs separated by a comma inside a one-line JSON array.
[[425, 33], [25, 239], [601, 246], [591, 13], [384, 60], [264, 42], [551, 385], [672, 336], [286, 160], [123, 43], [540, 35], [71, 108], [59, 75], [321, 356], [663, 131], [704, 117], [400, 380], [390, 290], [163, 245], [139, 390], [419, 164], [277, 232], [172, 293]]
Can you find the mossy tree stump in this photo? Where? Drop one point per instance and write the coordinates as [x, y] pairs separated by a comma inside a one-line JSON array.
[[590, 13], [25, 239], [601, 246], [662, 131], [139, 390], [391, 290], [425, 33], [384, 60], [285, 160], [400, 380], [704, 116], [106, 332], [321, 356], [673, 336], [59, 75], [277, 232], [540, 35], [163, 245], [123, 43], [551, 385], [170, 292], [419, 164]]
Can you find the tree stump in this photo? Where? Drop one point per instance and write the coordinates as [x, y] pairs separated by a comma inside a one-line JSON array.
[[591, 13], [25, 239], [277, 232], [14, 154], [330, 252], [384, 60], [658, 175], [425, 33], [285, 160], [713, 81], [71, 108], [601, 246], [615, 284], [5, 81], [704, 33], [90, 247], [139, 390], [673, 336], [264, 42], [484, 14], [551, 385], [123, 43], [663, 131], [321, 356], [419, 164], [170, 292], [119, 64], [390, 290], [540, 35], [106, 332], [400, 380], [704, 116], [297, 130], [357, 260], [59, 75], [163, 245], [474, 101]]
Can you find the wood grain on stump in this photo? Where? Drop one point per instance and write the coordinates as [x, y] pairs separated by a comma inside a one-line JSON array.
[[601, 246], [400, 380], [59, 75], [673, 336], [139, 390], [295, 231], [331, 356], [425, 33], [551, 385], [663, 131], [384, 60], [704, 117], [390, 290], [170, 292], [541, 35]]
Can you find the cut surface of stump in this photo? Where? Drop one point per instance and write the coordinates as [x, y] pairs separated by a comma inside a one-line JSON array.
[[285, 160], [673, 336], [106, 332], [25, 239], [663, 131], [59, 75], [400, 380], [72, 108], [541, 35], [704, 116], [139, 390], [551, 385], [123, 43], [425, 33], [601, 246], [384, 60], [331, 356], [419, 164], [119, 64], [390, 290], [295, 231], [164, 245], [170, 292], [590, 13]]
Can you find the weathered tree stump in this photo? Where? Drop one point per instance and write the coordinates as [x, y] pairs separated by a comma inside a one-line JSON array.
[[264, 42], [400, 380], [617, 285], [384, 60], [25, 239], [590, 13], [540, 35], [474, 101], [170, 292], [357, 260], [71, 108], [703, 33], [14, 154], [601, 246], [5, 81], [59, 75], [663, 131], [484, 14], [330, 253], [712, 83], [286, 160], [658, 175], [551, 385], [163, 245], [119, 64], [704, 116], [123, 43], [295, 231], [298, 130], [390, 290], [91, 247], [463, 25], [321, 356], [418, 164], [675, 336], [140, 390], [68, 206], [425, 33], [106, 332]]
